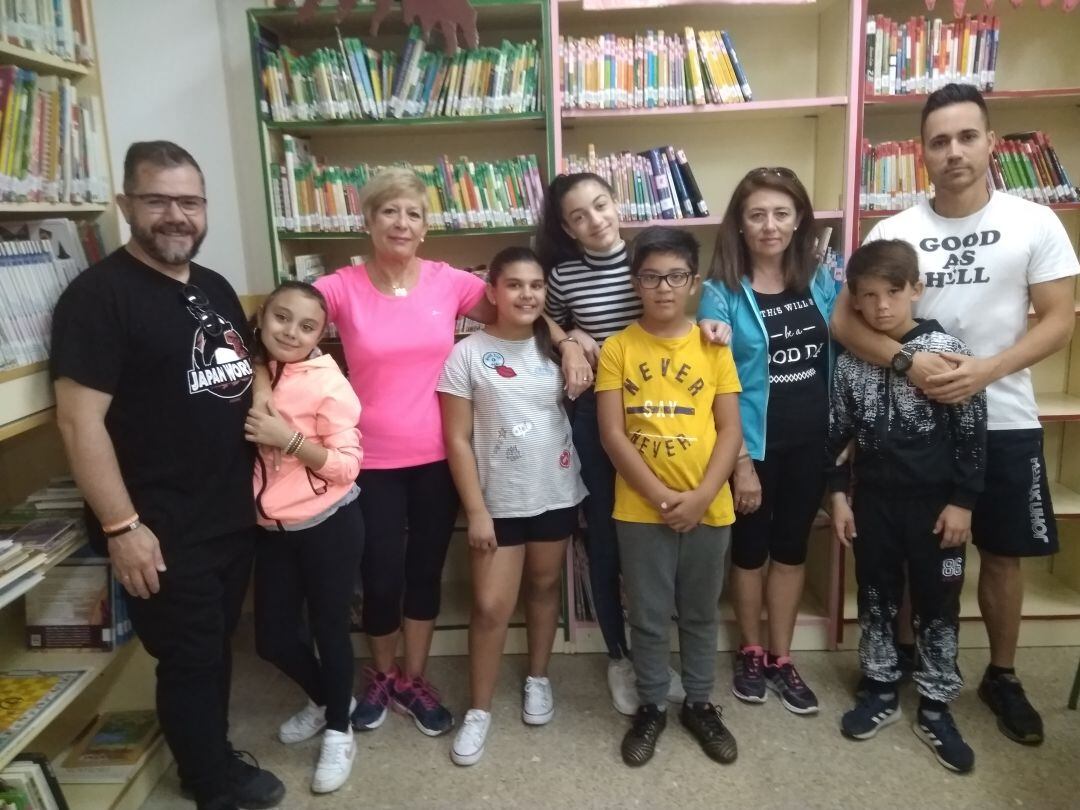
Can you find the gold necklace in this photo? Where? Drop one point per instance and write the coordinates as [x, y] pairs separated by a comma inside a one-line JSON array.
[[399, 290]]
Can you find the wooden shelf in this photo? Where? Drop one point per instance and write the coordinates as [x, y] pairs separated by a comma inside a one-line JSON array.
[[128, 795], [486, 123], [703, 113], [26, 423], [1066, 501], [39, 60], [23, 371], [356, 235], [52, 209], [1057, 407], [877, 213], [93, 662], [708, 222], [1058, 97]]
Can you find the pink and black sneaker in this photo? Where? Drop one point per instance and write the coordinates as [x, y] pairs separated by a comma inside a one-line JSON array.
[[420, 700], [370, 711], [784, 679]]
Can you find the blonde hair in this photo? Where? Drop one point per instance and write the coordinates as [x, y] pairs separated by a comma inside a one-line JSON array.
[[389, 184]]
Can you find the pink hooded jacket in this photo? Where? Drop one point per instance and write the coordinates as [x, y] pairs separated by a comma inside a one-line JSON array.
[[314, 397]]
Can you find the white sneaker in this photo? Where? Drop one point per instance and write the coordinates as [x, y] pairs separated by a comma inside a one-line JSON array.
[[303, 725], [470, 739], [538, 704], [675, 692], [335, 761], [622, 683]]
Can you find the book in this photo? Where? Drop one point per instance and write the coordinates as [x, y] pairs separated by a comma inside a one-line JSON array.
[[39, 765], [72, 608], [26, 694], [112, 748]]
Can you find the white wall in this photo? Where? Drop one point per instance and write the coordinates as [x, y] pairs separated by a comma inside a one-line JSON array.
[[181, 71]]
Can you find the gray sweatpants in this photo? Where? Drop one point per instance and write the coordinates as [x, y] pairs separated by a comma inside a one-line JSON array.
[[668, 573]]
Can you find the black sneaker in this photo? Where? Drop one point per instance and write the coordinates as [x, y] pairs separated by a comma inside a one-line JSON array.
[[784, 679], [639, 743], [703, 720], [871, 712], [945, 741], [748, 678], [1016, 717], [252, 787]]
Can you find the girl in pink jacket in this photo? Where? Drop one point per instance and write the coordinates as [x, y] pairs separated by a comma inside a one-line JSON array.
[[310, 523]]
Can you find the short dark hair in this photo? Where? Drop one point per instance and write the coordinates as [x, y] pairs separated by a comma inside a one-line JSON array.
[[891, 259], [950, 94], [161, 154], [661, 239]]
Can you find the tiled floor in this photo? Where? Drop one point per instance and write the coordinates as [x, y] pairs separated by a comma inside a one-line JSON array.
[[784, 761]]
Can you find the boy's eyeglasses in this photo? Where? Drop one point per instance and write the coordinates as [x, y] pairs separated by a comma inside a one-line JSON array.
[[199, 307], [650, 281], [779, 171], [159, 203]]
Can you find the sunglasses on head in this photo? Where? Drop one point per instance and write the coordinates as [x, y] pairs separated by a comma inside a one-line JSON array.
[[198, 305], [779, 171]]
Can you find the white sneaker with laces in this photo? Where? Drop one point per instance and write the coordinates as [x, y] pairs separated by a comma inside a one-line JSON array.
[[622, 683], [471, 737], [335, 761], [538, 704], [675, 692]]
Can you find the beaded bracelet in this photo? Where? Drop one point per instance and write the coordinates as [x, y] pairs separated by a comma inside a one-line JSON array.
[[294, 443]]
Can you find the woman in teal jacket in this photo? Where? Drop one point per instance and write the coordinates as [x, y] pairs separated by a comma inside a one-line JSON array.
[[765, 285]]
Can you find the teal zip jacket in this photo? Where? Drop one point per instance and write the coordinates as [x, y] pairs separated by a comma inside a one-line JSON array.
[[750, 344]]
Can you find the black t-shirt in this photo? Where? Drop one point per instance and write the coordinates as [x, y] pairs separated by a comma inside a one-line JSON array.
[[798, 368], [180, 393]]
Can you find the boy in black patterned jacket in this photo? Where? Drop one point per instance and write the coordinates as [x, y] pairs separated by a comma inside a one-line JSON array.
[[918, 469]]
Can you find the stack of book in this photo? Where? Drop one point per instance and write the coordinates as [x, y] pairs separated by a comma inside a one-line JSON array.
[[893, 176], [920, 55], [1025, 164], [52, 142], [462, 194], [57, 27], [655, 184], [27, 551], [353, 81], [28, 783], [653, 69], [111, 750], [37, 261]]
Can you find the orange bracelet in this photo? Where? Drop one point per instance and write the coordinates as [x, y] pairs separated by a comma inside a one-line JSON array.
[[123, 524]]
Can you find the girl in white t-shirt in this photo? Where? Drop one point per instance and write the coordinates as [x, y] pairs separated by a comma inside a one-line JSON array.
[[512, 457]]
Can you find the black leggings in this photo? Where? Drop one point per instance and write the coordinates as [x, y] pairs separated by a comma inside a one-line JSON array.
[[316, 566], [792, 483], [409, 515]]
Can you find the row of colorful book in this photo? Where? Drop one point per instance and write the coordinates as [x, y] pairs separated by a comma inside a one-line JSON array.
[[654, 184], [52, 141], [58, 27], [462, 194], [894, 174], [37, 261], [920, 55], [653, 69], [1026, 164], [354, 81]]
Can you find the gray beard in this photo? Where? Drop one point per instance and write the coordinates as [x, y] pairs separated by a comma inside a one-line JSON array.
[[146, 240]]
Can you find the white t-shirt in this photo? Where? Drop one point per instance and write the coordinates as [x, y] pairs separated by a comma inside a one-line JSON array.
[[977, 270], [521, 437]]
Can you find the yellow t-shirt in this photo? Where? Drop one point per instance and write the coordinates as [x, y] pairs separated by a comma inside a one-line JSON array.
[[668, 387]]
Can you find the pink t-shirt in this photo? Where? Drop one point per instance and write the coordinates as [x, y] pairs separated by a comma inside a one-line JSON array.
[[395, 348]]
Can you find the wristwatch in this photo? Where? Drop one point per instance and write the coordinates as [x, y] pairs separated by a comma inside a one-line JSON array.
[[902, 360]]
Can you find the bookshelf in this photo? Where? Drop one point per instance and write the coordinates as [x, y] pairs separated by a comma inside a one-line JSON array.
[[809, 112], [1029, 94], [30, 453]]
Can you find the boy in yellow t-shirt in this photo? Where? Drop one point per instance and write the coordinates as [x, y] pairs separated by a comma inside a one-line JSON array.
[[669, 421]]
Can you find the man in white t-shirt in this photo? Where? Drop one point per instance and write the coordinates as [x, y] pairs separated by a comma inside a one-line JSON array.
[[985, 257]]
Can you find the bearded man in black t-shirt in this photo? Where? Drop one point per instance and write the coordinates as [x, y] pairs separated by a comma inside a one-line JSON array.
[[150, 358]]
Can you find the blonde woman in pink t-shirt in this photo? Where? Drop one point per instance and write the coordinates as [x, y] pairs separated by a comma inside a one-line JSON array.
[[395, 315]]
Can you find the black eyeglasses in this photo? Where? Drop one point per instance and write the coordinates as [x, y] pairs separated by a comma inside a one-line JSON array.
[[650, 281], [159, 203], [779, 171], [199, 307]]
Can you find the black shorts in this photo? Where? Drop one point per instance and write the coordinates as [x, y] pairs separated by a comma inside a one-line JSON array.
[[1014, 517], [558, 524]]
